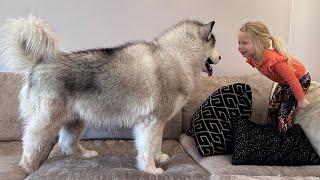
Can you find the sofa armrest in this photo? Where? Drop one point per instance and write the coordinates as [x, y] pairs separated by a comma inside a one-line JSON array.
[[309, 118]]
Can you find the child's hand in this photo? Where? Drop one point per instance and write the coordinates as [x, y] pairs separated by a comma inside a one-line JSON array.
[[303, 103]]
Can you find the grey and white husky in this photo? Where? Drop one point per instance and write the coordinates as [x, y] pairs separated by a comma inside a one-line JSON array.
[[139, 84]]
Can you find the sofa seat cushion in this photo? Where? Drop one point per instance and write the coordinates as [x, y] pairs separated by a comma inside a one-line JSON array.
[[116, 160], [10, 154], [220, 165], [242, 177]]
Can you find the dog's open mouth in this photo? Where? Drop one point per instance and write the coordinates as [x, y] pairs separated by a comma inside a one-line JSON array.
[[208, 66]]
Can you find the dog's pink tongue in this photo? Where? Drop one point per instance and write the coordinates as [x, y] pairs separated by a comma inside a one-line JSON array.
[[209, 68]]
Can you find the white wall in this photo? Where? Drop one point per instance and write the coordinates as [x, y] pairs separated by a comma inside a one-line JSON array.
[[305, 34], [98, 23]]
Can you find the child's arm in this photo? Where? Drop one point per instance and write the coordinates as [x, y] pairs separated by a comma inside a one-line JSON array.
[[303, 103], [287, 74]]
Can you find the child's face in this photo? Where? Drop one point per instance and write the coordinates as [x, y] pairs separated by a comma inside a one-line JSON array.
[[245, 45]]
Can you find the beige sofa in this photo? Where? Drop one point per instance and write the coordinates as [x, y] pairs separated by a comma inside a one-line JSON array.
[[116, 159]]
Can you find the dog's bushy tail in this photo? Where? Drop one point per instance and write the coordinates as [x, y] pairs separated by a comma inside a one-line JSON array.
[[26, 42]]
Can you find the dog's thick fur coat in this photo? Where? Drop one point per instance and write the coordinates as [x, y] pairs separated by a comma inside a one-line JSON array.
[[140, 85]]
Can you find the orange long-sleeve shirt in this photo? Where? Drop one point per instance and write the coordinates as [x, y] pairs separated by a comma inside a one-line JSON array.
[[274, 66]]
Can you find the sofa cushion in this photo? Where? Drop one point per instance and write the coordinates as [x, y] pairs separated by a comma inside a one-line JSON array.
[[220, 165], [11, 171], [260, 86], [10, 154], [265, 145], [210, 125], [116, 160]]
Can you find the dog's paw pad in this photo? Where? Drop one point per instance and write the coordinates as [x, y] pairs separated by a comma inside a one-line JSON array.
[[89, 154], [162, 158]]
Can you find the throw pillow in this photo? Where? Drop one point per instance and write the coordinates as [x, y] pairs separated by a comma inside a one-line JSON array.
[[264, 145], [210, 125]]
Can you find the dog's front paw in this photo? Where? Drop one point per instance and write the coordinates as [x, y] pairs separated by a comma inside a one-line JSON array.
[[89, 154], [161, 158], [155, 171], [158, 171]]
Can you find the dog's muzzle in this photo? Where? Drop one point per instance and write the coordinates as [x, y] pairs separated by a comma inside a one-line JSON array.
[[209, 64]]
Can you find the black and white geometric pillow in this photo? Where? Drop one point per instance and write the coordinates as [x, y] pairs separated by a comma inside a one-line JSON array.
[[210, 125]]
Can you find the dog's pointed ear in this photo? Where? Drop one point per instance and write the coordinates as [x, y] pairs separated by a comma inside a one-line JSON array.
[[208, 28]]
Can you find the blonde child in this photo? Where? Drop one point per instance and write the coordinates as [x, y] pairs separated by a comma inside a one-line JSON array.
[[270, 56]]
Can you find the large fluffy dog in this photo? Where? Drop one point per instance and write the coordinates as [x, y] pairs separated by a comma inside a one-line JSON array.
[[140, 85]]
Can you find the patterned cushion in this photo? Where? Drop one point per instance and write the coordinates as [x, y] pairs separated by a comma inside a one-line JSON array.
[[210, 125], [264, 145]]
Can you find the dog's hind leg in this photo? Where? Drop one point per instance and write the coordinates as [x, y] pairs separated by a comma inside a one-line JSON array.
[[159, 156], [69, 140], [42, 123], [145, 134]]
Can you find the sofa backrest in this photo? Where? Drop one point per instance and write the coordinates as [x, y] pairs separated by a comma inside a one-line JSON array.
[[260, 85], [11, 124]]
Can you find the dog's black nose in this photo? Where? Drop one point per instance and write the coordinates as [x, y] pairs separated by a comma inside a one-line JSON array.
[[219, 57]]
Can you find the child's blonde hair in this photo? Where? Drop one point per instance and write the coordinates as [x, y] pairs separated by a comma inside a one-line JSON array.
[[262, 38]]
